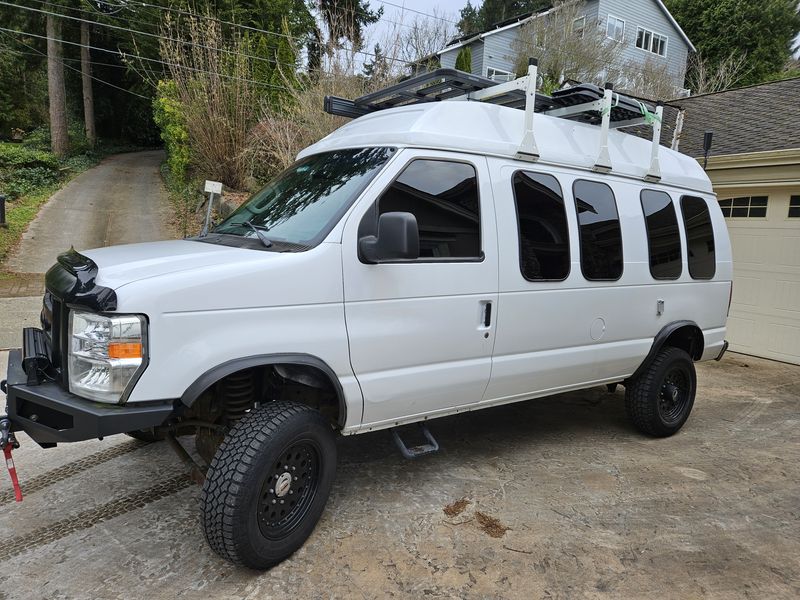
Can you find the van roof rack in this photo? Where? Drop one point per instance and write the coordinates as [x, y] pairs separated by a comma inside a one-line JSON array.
[[586, 103]]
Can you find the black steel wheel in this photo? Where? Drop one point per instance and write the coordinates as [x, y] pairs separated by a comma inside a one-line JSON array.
[[660, 399], [289, 491], [268, 483]]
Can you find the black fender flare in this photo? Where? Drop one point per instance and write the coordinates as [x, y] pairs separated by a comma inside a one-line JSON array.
[[221, 371], [661, 338]]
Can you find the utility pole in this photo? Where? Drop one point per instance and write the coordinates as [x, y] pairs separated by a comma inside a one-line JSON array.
[[59, 138], [86, 79]]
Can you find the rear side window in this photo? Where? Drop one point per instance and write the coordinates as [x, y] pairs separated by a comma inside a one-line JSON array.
[[600, 233], [443, 196], [663, 239], [542, 225], [699, 237]]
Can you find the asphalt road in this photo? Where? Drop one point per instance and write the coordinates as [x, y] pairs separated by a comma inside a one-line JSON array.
[[122, 200], [592, 509]]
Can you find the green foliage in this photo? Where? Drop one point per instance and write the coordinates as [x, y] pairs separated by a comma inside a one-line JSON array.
[[493, 11], [170, 118], [378, 67], [464, 59], [24, 170], [762, 30]]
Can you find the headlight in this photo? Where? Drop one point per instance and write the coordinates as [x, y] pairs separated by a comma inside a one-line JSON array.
[[106, 354]]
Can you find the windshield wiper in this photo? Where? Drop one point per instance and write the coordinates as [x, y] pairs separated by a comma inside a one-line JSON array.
[[264, 239]]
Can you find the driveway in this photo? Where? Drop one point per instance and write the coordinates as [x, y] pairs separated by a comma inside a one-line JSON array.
[[122, 200], [561, 499]]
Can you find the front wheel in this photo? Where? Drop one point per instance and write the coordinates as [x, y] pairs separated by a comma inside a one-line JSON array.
[[268, 484], [660, 399]]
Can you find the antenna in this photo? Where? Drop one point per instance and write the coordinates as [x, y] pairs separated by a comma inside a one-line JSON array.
[[707, 139]]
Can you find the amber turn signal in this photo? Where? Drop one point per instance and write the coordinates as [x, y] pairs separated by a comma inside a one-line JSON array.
[[125, 350]]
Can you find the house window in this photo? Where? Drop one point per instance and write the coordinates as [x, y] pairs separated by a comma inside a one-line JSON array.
[[651, 42], [578, 25], [615, 28], [750, 206], [499, 74], [443, 196], [794, 206], [599, 230], [542, 224]]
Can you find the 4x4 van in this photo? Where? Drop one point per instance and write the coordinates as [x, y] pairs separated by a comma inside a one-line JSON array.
[[428, 258]]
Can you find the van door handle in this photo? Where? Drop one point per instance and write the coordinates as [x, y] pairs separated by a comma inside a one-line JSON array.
[[487, 314]]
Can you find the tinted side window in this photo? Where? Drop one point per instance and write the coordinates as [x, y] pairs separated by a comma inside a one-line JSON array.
[[600, 233], [542, 225], [663, 239], [443, 196], [699, 237]]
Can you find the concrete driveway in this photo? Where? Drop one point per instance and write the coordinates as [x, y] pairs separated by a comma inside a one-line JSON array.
[[562, 499], [120, 201]]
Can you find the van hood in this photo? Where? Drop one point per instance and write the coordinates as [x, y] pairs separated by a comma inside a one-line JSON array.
[[121, 265]]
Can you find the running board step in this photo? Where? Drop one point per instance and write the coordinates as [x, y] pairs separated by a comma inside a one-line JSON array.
[[416, 451]]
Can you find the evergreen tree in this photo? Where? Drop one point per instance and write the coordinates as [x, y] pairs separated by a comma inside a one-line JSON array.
[[464, 59], [378, 67], [763, 30], [493, 11]]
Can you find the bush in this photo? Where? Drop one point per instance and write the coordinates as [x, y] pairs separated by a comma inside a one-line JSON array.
[[23, 170], [170, 118]]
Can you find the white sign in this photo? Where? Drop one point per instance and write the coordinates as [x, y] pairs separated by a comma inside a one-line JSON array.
[[213, 187]]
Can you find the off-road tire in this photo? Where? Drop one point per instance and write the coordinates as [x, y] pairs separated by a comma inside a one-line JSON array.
[[147, 435], [647, 401], [232, 501]]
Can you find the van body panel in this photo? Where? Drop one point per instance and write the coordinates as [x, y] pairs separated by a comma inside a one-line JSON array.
[[417, 339]]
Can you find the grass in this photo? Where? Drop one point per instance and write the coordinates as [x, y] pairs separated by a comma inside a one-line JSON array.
[[20, 212]]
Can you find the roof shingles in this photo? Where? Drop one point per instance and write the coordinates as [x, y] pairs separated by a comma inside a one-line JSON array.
[[757, 118]]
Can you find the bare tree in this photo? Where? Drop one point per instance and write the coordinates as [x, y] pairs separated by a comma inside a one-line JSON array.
[[86, 80], [218, 95], [705, 78], [424, 36], [652, 80], [59, 137], [568, 45]]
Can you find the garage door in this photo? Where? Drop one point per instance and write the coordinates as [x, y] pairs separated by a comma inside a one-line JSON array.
[[765, 311]]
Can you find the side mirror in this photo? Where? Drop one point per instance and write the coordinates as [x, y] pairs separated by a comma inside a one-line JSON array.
[[397, 239]]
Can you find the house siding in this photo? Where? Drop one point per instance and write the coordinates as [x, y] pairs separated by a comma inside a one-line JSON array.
[[499, 51], [649, 15], [448, 58]]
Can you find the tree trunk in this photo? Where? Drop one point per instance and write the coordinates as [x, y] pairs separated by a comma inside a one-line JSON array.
[[88, 96], [59, 139]]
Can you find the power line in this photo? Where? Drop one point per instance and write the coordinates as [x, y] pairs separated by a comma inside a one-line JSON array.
[[103, 81], [419, 12], [145, 33], [248, 27], [175, 65]]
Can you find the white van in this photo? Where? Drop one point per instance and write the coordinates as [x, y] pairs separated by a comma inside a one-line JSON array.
[[428, 258]]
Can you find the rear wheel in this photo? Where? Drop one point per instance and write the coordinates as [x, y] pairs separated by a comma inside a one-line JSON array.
[[660, 399], [268, 484]]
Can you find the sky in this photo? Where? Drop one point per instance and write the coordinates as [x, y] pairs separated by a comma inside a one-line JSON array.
[[403, 10]]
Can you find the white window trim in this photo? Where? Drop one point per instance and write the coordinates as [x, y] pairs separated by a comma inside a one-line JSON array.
[[650, 49], [500, 72], [608, 18], [582, 27]]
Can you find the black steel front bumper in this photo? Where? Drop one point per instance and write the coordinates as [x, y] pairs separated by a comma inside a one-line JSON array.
[[49, 414]]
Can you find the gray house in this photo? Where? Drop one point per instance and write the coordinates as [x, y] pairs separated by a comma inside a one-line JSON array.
[[645, 27]]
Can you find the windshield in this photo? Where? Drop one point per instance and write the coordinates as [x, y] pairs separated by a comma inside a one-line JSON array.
[[303, 203]]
